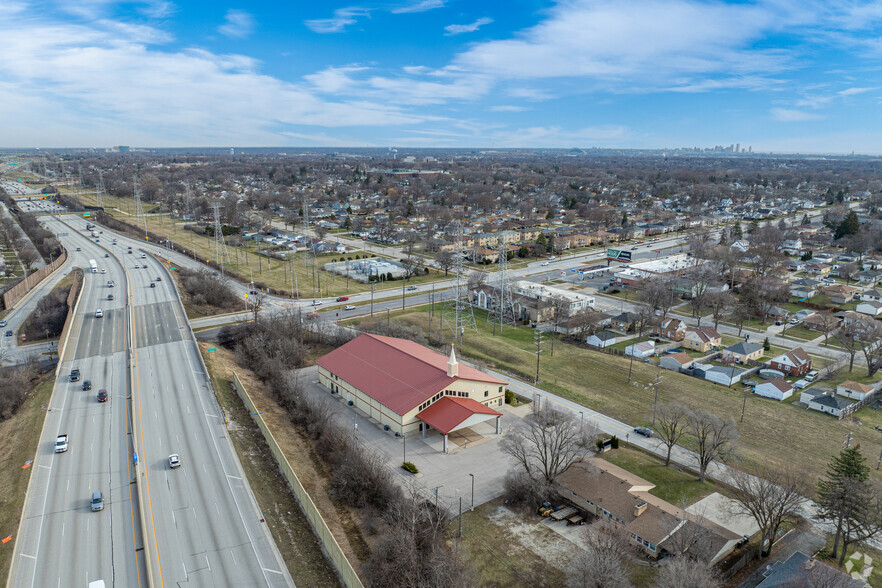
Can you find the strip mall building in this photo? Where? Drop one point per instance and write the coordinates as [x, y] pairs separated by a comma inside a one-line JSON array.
[[408, 388]]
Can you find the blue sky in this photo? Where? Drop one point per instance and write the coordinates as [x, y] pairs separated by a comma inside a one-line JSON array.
[[783, 75]]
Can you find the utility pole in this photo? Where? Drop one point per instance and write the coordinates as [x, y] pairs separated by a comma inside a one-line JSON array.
[[372, 298], [473, 486], [657, 384], [537, 341]]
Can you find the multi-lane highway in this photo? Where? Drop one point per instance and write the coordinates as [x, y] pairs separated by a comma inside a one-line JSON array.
[[202, 526]]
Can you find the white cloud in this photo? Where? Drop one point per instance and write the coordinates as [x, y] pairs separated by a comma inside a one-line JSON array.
[[333, 80], [508, 108], [239, 24], [99, 87], [853, 91], [456, 29], [790, 115], [423, 6], [343, 17]]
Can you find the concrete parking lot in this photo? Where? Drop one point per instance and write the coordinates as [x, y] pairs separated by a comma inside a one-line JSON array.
[[448, 472]]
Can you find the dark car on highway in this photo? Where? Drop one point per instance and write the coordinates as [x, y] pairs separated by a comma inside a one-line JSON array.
[[645, 431], [87, 384]]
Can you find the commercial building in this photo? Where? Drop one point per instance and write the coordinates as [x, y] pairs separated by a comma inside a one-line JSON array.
[[407, 388]]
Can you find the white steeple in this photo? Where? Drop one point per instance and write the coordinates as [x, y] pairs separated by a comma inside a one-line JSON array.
[[452, 365]]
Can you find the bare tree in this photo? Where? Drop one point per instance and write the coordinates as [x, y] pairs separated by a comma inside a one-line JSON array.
[[828, 322], [848, 336], [700, 280], [685, 572], [658, 294], [476, 279], [847, 271], [763, 293], [773, 497], [28, 256], [585, 320], [547, 442], [672, 424], [444, 259], [720, 303], [602, 563], [714, 437], [870, 342]]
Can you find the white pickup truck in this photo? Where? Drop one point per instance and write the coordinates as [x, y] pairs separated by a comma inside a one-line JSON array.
[[61, 443]]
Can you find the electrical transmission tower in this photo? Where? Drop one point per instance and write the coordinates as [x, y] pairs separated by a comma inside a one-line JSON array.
[[502, 311], [458, 310], [139, 210], [220, 246]]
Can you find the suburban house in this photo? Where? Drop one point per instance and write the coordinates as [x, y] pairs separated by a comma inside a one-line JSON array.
[[743, 351], [795, 362], [815, 322], [716, 373], [854, 390], [625, 321], [804, 288], [823, 401], [802, 570], [776, 313], [405, 387], [672, 328], [818, 269], [840, 294], [641, 350], [601, 339], [702, 339], [869, 307], [778, 389], [874, 295], [676, 361], [622, 500]]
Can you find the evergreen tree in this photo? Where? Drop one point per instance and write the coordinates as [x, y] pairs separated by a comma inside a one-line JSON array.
[[766, 345], [850, 225], [737, 231], [841, 494], [624, 219]]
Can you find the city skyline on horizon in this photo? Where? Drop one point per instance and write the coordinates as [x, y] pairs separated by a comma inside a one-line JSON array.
[[781, 76]]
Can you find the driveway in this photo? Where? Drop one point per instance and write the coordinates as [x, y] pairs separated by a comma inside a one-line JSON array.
[[718, 509]]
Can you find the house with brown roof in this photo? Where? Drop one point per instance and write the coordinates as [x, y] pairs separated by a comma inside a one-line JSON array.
[[840, 294], [854, 390], [671, 328], [622, 500], [702, 339], [795, 362], [406, 387], [815, 323]]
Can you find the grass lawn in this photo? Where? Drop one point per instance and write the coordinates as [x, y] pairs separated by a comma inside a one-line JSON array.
[[800, 333], [770, 433], [245, 261], [19, 437], [875, 578], [497, 558], [297, 543], [671, 484]]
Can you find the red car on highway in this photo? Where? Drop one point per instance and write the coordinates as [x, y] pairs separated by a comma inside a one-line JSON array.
[[343, 299]]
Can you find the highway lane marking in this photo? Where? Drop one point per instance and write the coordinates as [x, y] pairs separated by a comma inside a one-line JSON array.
[[273, 571], [233, 555], [68, 486], [216, 508], [234, 477], [34, 556], [208, 563], [62, 529], [44, 466]]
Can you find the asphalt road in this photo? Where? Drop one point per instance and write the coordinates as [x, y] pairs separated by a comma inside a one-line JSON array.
[[203, 524]]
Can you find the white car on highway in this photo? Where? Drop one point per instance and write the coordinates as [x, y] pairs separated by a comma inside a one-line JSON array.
[[544, 263], [174, 461], [349, 307]]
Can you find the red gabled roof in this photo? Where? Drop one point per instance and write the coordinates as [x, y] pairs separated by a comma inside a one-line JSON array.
[[397, 373], [446, 414]]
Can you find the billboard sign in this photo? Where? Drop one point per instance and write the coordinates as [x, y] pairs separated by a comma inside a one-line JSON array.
[[618, 255]]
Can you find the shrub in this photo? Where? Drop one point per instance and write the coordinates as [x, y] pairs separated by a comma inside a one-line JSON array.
[[615, 442], [509, 396], [410, 467]]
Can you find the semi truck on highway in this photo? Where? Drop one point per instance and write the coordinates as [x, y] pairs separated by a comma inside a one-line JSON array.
[[94, 266]]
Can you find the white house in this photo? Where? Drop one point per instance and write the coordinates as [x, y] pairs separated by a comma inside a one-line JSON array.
[[870, 307], [676, 361], [601, 339], [719, 374], [823, 401], [854, 390], [778, 389], [641, 350]]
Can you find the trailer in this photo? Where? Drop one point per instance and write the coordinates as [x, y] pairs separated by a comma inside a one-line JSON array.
[[564, 513]]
